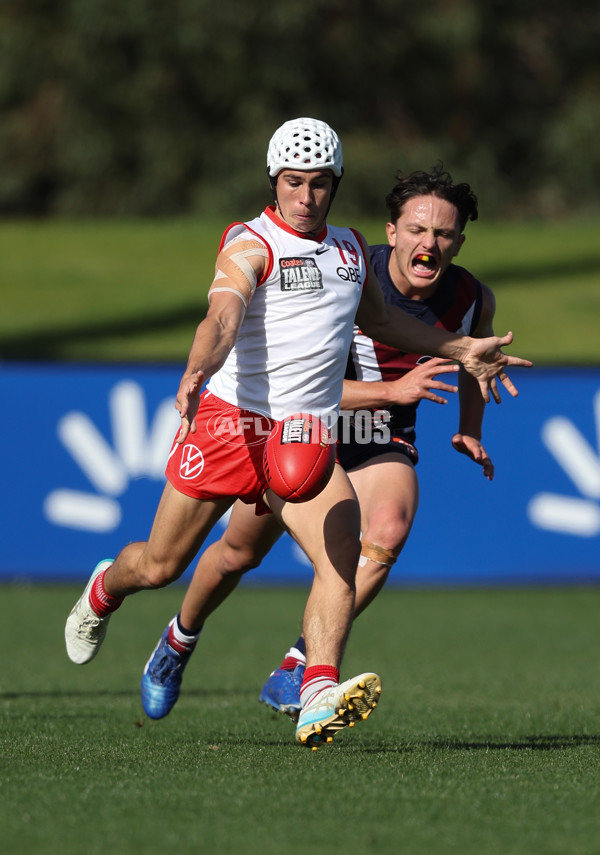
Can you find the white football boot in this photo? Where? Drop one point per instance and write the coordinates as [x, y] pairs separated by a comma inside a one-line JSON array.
[[84, 630], [341, 706]]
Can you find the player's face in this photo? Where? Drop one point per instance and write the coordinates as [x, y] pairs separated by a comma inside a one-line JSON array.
[[303, 198], [424, 240]]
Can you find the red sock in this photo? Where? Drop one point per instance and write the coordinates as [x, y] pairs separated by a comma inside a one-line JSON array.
[[291, 662], [295, 656], [101, 602], [317, 678]]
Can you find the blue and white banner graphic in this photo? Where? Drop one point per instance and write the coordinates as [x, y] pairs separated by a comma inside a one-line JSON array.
[[84, 448]]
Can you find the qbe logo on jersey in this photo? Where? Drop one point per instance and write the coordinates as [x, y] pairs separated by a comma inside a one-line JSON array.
[[300, 274]]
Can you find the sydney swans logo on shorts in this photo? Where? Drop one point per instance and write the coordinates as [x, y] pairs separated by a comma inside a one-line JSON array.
[[192, 462], [300, 274]]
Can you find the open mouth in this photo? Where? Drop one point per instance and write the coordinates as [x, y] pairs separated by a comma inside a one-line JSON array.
[[424, 263]]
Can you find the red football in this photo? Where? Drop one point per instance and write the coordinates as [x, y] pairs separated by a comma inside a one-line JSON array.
[[299, 457]]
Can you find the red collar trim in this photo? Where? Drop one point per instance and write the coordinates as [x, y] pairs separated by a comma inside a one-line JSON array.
[[270, 213]]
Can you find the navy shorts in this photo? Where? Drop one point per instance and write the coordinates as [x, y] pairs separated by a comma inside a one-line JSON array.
[[352, 453]]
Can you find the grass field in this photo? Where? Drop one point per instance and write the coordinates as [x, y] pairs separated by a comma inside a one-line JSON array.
[[124, 291], [486, 739]]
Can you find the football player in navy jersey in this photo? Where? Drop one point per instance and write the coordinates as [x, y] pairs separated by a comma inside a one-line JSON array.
[[427, 216], [247, 348]]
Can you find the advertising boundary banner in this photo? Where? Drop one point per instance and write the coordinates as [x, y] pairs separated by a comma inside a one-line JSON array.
[[84, 449]]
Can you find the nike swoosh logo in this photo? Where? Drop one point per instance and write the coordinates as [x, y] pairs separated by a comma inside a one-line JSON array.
[[321, 250]]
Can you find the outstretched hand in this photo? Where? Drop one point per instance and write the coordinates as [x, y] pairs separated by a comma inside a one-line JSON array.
[[474, 449], [485, 361], [418, 383], [187, 402]]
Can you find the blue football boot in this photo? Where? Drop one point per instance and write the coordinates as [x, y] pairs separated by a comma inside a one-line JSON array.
[[281, 692], [161, 680]]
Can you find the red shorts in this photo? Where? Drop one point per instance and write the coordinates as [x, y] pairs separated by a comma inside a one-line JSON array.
[[224, 457]]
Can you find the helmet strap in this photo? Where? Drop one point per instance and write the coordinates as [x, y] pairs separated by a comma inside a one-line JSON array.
[[334, 189], [273, 186]]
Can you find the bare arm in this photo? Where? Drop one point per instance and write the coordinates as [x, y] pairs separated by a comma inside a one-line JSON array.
[[240, 266], [482, 358], [468, 438], [414, 386]]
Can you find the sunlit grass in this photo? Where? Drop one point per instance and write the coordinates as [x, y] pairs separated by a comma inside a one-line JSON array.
[[486, 740], [135, 290]]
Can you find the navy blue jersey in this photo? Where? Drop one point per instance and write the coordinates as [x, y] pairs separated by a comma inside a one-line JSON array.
[[455, 306]]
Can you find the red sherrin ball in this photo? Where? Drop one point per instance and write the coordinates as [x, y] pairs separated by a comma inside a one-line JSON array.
[[299, 457]]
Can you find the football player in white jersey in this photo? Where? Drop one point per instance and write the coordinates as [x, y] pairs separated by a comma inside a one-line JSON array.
[[247, 308]]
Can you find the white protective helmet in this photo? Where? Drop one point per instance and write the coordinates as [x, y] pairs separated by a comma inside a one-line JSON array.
[[304, 144]]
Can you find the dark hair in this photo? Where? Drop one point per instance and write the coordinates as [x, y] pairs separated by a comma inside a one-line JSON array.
[[439, 183]]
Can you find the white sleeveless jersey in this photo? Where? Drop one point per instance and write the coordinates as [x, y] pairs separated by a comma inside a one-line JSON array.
[[292, 348]]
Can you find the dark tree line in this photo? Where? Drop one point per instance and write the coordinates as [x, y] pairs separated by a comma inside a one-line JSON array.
[[153, 108]]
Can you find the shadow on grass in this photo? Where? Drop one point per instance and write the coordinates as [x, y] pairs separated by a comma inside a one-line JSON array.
[[50, 343], [121, 693], [536, 742], [540, 273], [539, 742]]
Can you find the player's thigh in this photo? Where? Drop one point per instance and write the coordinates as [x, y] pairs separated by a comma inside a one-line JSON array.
[[388, 492], [180, 526], [249, 535], [328, 526]]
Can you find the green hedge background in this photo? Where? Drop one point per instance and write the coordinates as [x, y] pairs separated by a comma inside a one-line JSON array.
[[151, 108]]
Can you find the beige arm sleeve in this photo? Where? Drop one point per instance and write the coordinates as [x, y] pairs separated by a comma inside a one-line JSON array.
[[234, 271]]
